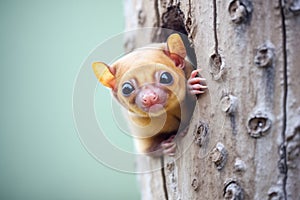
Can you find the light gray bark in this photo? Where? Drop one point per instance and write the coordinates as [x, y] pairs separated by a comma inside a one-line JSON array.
[[244, 138]]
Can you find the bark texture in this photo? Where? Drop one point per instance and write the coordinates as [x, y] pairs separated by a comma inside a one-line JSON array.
[[244, 138]]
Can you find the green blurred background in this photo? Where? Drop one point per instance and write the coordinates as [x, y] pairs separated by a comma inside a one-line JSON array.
[[43, 44]]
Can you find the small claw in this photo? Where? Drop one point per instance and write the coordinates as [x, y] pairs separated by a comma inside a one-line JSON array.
[[197, 92], [195, 73], [196, 80], [195, 84], [169, 146], [166, 145], [171, 150], [197, 87]]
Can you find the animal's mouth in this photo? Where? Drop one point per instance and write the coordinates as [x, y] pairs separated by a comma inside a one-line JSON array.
[[155, 108]]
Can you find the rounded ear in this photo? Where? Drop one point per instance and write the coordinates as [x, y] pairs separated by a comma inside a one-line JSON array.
[[176, 45], [104, 74]]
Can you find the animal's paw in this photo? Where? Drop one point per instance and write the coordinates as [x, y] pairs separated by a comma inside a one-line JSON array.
[[169, 146], [195, 84]]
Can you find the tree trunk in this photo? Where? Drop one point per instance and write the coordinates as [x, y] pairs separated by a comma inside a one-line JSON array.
[[244, 138]]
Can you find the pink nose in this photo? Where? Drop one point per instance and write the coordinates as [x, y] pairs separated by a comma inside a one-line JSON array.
[[150, 99]]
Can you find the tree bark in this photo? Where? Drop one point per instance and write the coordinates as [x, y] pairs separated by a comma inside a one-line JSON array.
[[244, 138]]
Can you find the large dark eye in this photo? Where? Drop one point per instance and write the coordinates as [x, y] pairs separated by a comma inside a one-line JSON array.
[[127, 89], [166, 78]]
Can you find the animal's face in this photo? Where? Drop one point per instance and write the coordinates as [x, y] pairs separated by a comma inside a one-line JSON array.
[[148, 80], [153, 88]]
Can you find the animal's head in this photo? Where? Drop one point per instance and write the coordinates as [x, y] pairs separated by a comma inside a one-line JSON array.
[[150, 79]]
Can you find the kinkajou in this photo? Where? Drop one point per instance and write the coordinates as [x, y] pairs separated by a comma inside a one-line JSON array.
[[157, 85]]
